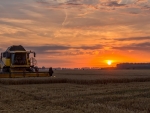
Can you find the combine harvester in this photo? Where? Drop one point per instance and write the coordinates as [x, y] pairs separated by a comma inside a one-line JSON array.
[[17, 62]]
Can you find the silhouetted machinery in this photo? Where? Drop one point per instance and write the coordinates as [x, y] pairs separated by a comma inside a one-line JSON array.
[[17, 59]]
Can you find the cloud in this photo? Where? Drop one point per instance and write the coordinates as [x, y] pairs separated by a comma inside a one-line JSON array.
[[94, 47], [36, 21], [133, 38], [127, 1], [56, 48], [45, 48], [145, 46], [112, 4], [12, 20], [42, 1], [57, 61]]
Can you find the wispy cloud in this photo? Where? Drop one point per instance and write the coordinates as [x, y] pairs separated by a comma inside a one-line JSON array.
[[75, 28], [46, 48], [113, 4], [134, 38], [135, 46]]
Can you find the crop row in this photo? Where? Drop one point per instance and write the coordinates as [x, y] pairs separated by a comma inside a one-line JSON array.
[[17, 81]]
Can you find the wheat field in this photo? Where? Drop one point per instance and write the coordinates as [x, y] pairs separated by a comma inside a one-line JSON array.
[[122, 97]]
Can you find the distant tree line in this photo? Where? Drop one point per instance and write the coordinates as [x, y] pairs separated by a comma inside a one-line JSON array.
[[133, 66]]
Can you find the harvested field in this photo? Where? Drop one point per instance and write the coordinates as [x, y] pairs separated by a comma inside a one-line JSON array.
[[101, 74], [85, 77], [74, 98], [81, 91]]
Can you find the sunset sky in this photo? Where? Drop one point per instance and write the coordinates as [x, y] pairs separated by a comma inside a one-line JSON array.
[[78, 33]]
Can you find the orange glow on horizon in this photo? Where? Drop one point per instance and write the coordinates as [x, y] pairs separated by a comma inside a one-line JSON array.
[[96, 60]]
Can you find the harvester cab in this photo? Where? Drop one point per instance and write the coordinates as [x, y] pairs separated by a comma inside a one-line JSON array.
[[16, 58]]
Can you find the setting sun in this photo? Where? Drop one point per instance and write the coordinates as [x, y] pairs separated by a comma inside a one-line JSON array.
[[109, 62]]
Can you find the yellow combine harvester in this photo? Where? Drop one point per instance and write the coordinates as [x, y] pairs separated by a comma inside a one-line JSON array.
[[17, 62]]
